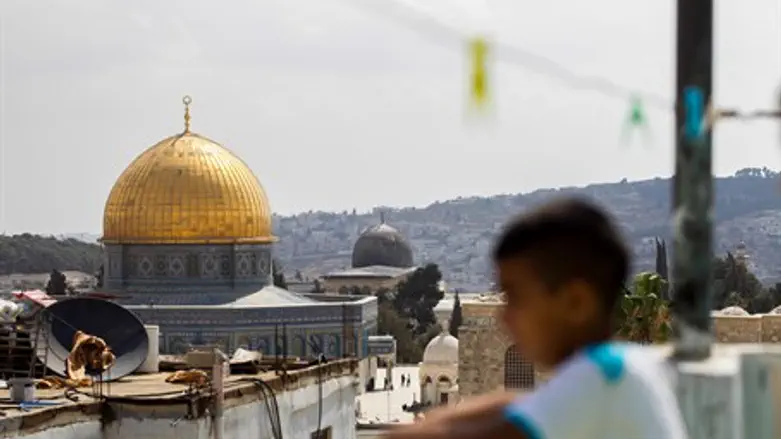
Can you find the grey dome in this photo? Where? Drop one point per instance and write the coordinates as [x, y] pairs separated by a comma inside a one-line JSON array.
[[382, 245]]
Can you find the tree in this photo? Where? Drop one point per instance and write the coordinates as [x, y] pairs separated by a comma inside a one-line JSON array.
[[661, 266], [456, 318], [417, 296], [643, 315], [735, 285], [389, 322], [99, 277], [317, 287], [57, 284], [385, 295], [278, 275]]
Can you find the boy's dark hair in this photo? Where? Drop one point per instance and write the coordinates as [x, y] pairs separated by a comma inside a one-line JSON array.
[[569, 239]]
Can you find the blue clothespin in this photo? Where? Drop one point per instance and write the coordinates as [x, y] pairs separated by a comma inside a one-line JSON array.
[[694, 107]]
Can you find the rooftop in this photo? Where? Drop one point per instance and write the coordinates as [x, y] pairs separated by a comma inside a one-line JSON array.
[[268, 297], [385, 406], [151, 392], [373, 271]]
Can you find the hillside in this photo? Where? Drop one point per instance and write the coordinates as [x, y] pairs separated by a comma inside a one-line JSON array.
[[457, 234], [27, 253]]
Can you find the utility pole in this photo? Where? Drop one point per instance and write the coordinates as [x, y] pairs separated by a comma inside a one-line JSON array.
[[693, 181], [728, 395]]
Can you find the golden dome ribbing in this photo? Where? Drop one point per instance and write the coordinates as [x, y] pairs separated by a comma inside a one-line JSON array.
[[187, 189]]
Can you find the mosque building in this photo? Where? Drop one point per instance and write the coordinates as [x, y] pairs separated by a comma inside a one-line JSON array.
[[438, 372], [187, 238], [382, 257]]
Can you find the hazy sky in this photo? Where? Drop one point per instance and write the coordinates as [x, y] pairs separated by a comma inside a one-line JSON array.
[[335, 104]]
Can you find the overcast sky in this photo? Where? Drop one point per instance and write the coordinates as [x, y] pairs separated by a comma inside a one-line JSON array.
[[338, 104]]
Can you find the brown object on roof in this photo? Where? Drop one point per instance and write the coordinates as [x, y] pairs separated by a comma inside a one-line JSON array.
[[88, 353]]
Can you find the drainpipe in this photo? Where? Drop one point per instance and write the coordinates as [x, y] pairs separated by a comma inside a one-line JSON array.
[[218, 390]]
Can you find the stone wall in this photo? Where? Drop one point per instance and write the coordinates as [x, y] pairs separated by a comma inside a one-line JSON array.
[[301, 412], [481, 349], [482, 344]]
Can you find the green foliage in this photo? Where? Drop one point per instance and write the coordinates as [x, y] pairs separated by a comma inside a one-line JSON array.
[[356, 290], [735, 285], [456, 318], [407, 313], [58, 284], [28, 253], [643, 316], [390, 322], [417, 296], [99, 277]]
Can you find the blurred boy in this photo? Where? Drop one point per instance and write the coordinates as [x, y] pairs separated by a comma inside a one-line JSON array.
[[562, 268]]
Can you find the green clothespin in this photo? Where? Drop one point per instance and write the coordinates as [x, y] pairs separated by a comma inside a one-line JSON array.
[[637, 119], [637, 113]]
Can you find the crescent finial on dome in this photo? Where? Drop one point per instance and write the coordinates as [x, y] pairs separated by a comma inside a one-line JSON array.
[[187, 100]]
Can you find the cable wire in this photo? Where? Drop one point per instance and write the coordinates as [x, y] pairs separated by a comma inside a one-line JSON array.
[[272, 406], [413, 17], [424, 23]]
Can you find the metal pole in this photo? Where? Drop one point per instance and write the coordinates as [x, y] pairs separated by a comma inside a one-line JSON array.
[[693, 181], [218, 389]]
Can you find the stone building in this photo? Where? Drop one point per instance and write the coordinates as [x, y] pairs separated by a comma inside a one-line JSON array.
[[488, 360], [188, 243], [382, 257]]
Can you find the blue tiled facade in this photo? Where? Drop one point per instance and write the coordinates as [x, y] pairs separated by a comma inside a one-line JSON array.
[[190, 291], [302, 330]]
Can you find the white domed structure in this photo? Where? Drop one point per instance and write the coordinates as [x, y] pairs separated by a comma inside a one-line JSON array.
[[442, 349], [439, 370], [776, 310], [734, 311]]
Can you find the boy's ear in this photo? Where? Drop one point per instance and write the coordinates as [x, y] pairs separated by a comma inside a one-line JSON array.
[[581, 299]]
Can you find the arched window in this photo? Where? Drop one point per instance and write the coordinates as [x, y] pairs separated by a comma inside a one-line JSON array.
[[518, 372]]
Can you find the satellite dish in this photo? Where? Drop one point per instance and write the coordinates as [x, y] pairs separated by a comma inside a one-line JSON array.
[[122, 331]]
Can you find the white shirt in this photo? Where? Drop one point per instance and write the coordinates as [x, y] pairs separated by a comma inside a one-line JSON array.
[[609, 391]]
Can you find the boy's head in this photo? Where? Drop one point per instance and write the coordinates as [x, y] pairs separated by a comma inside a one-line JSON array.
[[561, 268]]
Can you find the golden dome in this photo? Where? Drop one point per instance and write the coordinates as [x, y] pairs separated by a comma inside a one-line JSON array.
[[187, 189]]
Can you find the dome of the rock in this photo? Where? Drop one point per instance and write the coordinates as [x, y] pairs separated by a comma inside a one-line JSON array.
[[187, 189]]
